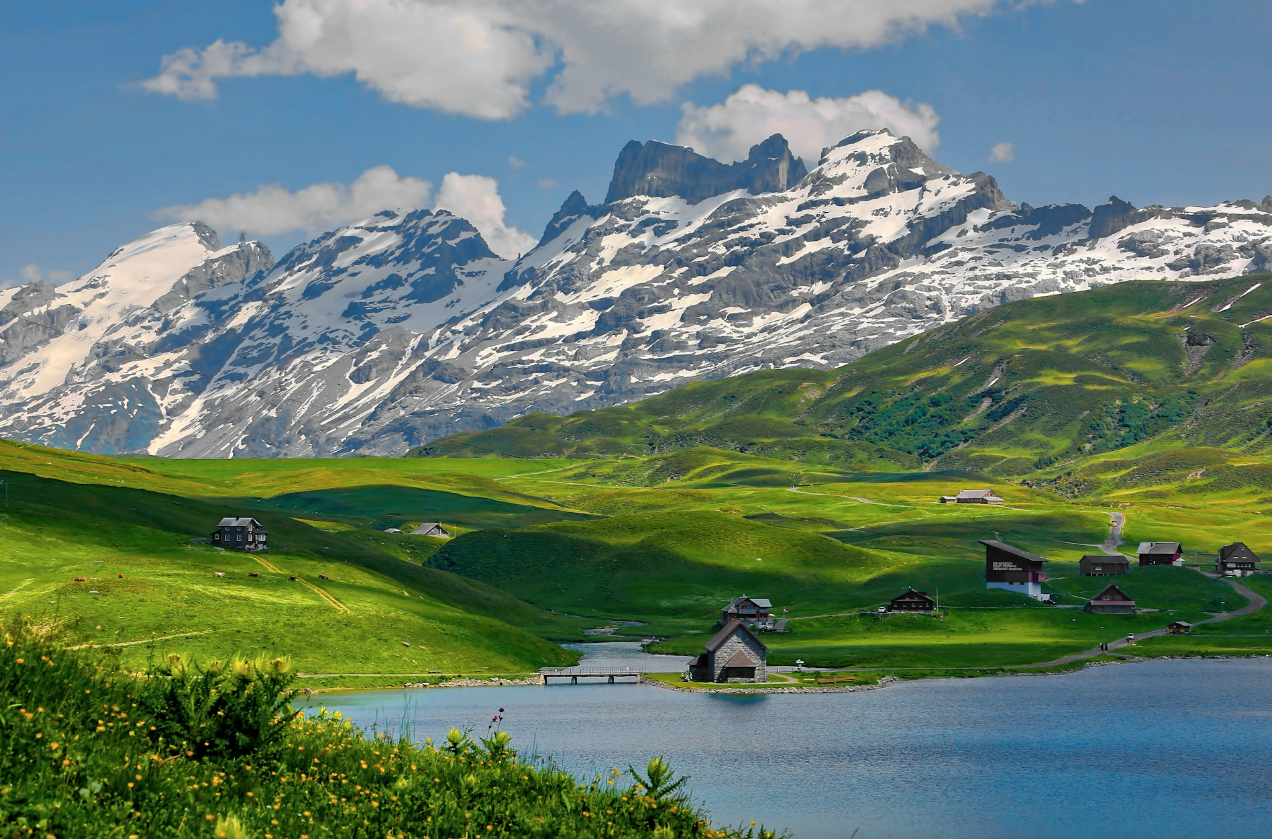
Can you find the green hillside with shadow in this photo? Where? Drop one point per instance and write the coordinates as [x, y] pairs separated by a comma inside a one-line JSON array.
[[1077, 391]]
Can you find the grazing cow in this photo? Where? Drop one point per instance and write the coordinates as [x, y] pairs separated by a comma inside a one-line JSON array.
[[81, 579], [121, 576], [292, 578], [405, 644], [254, 574], [322, 576], [219, 573]]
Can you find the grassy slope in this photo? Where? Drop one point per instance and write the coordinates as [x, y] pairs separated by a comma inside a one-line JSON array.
[[801, 486], [98, 526], [1095, 390]]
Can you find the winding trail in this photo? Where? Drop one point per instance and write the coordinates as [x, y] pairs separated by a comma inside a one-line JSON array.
[[144, 640], [326, 598]]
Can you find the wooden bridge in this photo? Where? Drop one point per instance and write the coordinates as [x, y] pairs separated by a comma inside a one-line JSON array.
[[610, 674]]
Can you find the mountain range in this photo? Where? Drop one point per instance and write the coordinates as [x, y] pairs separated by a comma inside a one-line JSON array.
[[388, 333], [1120, 389]]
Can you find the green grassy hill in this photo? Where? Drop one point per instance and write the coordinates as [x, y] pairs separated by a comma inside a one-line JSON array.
[[815, 489], [138, 535], [1167, 380]]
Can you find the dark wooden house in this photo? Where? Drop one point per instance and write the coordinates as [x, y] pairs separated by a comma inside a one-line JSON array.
[[755, 612], [1103, 565], [1179, 628], [1160, 553], [431, 528], [1236, 560], [733, 654], [240, 534], [1013, 569], [912, 601], [972, 496], [1111, 601]]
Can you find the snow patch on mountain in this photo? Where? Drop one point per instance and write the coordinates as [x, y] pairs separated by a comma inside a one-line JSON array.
[[400, 328]]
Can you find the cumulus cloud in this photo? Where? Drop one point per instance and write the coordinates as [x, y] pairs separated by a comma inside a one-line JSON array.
[[728, 130], [480, 57], [273, 210], [476, 198], [1002, 153]]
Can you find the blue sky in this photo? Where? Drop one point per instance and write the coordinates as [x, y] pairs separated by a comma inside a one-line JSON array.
[[1162, 102]]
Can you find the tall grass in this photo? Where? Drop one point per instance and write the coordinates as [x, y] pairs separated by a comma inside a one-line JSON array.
[[89, 749]]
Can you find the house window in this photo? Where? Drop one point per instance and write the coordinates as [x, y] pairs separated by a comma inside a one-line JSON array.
[[216, 537], [240, 537]]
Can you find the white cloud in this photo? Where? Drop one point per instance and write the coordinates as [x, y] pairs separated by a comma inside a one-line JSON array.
[[480, 57], [1002, 153], [728, 130], [476, 198], [515, 162], [272, 210], [32, 273]]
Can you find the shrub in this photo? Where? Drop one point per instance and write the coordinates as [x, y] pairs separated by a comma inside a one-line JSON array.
[[88, 749]]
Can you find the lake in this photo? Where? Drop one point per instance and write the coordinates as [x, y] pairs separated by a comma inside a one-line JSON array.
[[1154, 749]]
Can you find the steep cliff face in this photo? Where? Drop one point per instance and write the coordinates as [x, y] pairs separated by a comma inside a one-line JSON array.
[[659, 170], [385, 334]]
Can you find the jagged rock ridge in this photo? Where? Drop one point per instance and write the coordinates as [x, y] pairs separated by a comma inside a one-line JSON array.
[[387, 333]]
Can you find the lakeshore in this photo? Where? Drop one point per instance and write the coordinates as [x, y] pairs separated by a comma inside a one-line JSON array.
[[980, 763]]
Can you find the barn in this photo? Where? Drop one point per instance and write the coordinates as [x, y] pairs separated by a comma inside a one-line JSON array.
[[733, 654], [1160, 553], [431, 528], [1103, 565], [1111, 601], [972, 496], [912, 601]]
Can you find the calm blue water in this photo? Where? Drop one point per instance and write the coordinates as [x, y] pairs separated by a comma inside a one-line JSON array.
[[1159, 749]]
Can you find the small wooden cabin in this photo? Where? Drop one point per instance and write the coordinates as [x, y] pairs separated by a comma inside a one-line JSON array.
[[1111, 601], [1179, 628], [1160, 553], [1013, 569], [972, 496], [1103, 565], [1236, 560], [240, 534], [733, 654], [431, 528], [912, 601], [755, 612]]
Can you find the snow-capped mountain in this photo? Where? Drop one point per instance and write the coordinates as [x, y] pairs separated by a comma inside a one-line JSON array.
[[385, 334]]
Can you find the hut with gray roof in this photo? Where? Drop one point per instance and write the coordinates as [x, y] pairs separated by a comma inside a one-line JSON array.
[[755, 612], [240, 533]]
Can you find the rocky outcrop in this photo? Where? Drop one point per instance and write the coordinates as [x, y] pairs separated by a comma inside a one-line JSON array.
[[659, 170], [387, 333]]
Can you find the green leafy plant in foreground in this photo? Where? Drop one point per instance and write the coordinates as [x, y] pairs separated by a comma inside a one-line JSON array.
[[187, 750]]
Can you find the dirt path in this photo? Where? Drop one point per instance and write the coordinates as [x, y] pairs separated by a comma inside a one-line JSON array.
[[144, 640], [1116, 522], [326, 598]]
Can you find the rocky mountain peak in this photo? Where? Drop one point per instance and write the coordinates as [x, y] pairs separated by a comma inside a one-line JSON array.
[[661, 170]]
